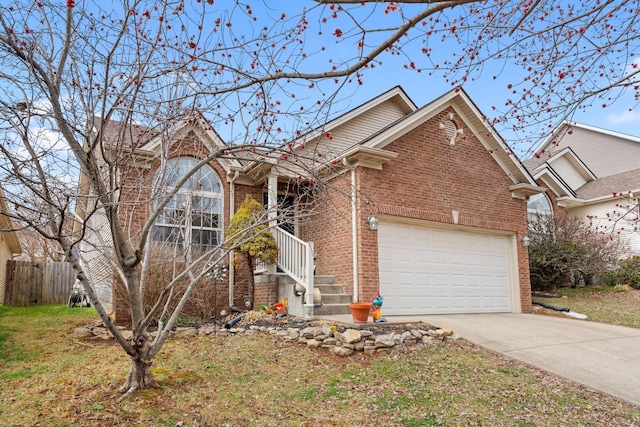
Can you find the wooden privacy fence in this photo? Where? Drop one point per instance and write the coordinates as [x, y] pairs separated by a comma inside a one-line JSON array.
[[30, 283]]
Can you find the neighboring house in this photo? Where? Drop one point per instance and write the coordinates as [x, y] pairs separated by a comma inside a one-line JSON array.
[[426, 205], [594, 174], [9, 243]]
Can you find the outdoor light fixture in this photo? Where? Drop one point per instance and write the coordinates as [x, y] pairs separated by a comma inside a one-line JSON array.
[[526, 240], [373, 223], [247, 300], [298, 290]]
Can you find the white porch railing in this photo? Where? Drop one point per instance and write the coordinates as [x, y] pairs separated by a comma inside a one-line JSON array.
[[295, 259]]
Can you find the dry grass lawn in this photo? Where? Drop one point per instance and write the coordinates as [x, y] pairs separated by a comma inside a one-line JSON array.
[[48, 378], [614, 305]]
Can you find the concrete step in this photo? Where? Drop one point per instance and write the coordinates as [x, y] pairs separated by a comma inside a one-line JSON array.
[[324, 280], [331, 309], [336, 298], [326, 289], [318, 280]]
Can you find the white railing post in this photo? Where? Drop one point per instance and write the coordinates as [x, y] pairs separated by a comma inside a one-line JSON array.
[[309, 267], [272, 196], [295, 259]]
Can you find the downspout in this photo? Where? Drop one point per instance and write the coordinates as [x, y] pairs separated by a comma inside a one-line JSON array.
[[232, 208], [272, 196], [354, 230]]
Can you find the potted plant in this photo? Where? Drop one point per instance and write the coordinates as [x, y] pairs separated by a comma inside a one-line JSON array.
[[360, 311]]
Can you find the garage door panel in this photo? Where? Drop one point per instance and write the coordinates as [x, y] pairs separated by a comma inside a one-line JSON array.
[[458, 281], [431, 270]]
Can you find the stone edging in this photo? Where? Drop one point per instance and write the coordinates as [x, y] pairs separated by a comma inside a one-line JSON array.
[[340, 342]]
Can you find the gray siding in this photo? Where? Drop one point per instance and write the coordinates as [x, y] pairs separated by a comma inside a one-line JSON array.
[[604, 154], [569, 174]]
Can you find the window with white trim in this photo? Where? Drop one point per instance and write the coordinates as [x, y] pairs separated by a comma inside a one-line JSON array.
[[538, 210], [194, 214]]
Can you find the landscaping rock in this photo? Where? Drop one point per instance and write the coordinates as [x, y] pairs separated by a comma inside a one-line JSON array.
[[416, 333], [330, 341], [405, 336], [82, 333], [445, 331], [384, 341], [342, 351], [339, 340], [314, 343], [186, 332], [351, 335], [207, 330]]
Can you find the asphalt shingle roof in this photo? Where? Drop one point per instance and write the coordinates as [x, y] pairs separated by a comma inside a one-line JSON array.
[[606, 186]]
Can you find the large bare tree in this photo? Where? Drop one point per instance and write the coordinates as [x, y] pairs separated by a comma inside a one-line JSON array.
[[261, 73]]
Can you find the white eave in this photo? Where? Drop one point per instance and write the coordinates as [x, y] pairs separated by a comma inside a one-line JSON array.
[[524, 191], [575, 161], [554, 182], [11, 237], [372, 158], [572, 202]]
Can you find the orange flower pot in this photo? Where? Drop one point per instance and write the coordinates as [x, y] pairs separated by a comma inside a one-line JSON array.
[[360, 311]]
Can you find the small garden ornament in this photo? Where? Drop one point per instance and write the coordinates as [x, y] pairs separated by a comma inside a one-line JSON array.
[[278, 308], [376, 304]]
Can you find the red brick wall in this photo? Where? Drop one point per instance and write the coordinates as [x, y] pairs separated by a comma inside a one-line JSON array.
[[330, 230], [428, 180], [135, 206]]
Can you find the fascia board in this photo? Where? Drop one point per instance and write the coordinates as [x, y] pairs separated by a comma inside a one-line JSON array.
[[7, 223], [574, 201], [575, 161], [551, 179]]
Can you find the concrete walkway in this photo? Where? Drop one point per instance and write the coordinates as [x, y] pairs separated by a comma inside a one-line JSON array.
[[603, 357]]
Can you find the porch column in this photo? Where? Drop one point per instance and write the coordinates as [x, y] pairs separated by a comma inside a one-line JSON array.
[[272, 209]]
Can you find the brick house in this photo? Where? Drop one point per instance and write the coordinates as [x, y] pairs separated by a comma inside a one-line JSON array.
[[427, 206]]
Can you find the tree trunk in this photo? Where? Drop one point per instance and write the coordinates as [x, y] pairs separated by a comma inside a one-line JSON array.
[[139, 376], [252, 282]]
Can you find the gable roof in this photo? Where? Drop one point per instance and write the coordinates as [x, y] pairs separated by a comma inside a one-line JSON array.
[[339, 149], [605, 152], [564, 173], [147, 141], [615, 155], [335, 137], [458, 100]]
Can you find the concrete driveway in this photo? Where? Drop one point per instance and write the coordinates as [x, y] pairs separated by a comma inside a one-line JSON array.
[[602, 357]]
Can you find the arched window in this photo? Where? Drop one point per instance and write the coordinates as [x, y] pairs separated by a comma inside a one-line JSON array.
[[194, 214], [537, 205], [540, 215]]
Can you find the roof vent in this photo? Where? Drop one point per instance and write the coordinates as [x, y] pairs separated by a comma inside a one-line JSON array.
[[450, 130]]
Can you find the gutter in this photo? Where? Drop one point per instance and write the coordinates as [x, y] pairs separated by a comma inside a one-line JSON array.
[[354, 230], [232, 196]]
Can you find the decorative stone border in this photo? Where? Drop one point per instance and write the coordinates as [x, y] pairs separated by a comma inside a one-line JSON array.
[[337, 339]]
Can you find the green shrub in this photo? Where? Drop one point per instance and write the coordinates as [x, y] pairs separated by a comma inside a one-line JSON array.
[[565, 250], [628, 272], [610, 278]]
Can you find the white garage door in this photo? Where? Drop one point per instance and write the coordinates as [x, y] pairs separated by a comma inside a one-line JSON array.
[[425, 270]]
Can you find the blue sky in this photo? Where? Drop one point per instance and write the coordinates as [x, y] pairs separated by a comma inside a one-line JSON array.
[[485, 90]]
